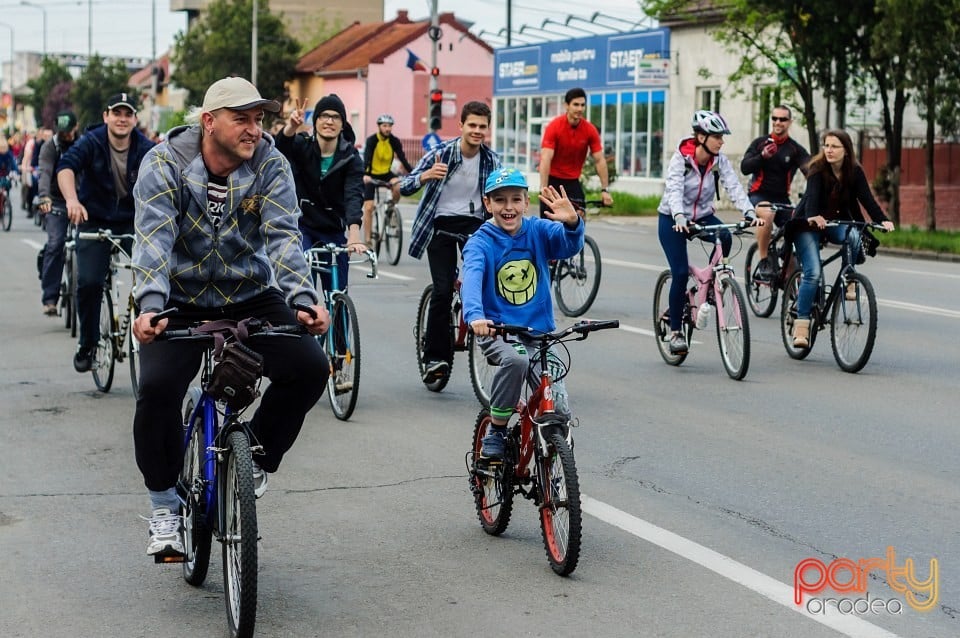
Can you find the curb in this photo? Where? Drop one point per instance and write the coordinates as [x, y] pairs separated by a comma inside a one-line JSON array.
[[910, 253]]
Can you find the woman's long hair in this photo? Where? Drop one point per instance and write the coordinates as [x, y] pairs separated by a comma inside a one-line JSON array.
[[819, 164]]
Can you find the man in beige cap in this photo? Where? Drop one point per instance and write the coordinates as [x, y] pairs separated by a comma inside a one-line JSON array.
[[216, 227]]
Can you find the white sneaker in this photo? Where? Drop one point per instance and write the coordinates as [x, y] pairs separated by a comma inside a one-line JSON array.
[[165, 537], [259, 480]]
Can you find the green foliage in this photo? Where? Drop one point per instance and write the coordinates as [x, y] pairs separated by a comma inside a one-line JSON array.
[[52, 74], [939, 241], [218, 46], [95, 86]]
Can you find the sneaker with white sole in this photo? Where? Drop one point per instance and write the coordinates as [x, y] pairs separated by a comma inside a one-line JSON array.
[[165, 533], [259, 480]]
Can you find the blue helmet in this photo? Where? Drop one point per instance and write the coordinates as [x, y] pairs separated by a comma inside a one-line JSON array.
[[504, 178]]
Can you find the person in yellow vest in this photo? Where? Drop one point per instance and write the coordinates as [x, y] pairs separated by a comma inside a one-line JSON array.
[[379, 151]]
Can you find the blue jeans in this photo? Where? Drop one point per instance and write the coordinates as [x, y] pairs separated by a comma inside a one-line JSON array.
[[312, 238], [808, 251], [52, 271], [675, 247]]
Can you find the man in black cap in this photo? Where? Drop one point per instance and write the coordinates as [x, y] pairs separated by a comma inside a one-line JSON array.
[[106, 160], [54, 207], [329, 177]]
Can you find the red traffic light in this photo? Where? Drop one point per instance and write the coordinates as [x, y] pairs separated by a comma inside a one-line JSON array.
[[435, 71], [436, 97]]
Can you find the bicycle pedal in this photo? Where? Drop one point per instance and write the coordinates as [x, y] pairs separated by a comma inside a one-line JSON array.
[[170, 557]]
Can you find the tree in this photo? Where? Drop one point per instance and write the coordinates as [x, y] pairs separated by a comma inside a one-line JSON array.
[[318, 30], [218, 46], [58, 99], [95, 86], [52, 74]]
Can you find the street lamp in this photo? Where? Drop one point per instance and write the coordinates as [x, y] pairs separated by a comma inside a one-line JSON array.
[[44, 9]]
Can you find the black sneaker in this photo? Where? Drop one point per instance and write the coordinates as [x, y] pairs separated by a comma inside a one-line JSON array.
[[83, 359], [764, 270], [678, 344], [433, 370]]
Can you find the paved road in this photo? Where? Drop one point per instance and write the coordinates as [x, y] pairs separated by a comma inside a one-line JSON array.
[[703, 493]]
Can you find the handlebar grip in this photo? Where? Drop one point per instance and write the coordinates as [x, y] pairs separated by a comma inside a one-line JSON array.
[[590, 326], [307, 309], [155, 319]]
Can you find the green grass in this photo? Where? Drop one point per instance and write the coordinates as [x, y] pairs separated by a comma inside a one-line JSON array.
[[940, 241], [623, 203]]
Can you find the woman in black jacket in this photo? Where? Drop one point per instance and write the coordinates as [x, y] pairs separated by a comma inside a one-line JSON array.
[[329, 175], [836, 188]]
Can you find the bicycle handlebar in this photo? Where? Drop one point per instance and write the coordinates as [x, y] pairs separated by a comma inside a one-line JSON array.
[[458, 236], [852, 222], [335, 249], [581, 327], [256, 327]]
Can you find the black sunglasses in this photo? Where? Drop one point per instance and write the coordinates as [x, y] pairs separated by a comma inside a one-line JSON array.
[[779, 119]]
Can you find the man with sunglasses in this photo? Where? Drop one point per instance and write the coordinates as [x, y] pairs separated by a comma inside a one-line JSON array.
[[772, 161]]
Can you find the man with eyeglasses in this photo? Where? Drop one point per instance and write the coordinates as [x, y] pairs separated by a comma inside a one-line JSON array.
[[328, 173], [772, 161], [106, 160]]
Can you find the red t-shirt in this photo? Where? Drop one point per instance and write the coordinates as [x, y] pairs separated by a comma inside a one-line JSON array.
[[570, 146]]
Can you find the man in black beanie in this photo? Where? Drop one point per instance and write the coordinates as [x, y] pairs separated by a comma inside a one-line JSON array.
[[329, 176]]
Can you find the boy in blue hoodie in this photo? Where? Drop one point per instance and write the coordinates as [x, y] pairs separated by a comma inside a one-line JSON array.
[[506, 279]]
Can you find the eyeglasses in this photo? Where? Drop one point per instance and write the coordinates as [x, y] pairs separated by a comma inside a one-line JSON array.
[[779, 119], [330, 117]]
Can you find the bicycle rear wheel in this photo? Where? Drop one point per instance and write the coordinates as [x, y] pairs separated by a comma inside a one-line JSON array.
[[577, 279], [788, 314], [853, 325], [560, 515], [661, 320], [105, 350], [419, 335], [239, 536], [343, 350], [733, 329], [761, 294], [491, 484], [481, 372], [192, 486], [393, 234]]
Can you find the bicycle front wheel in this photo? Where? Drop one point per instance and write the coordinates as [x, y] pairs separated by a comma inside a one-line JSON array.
[[490, 484], [393, 234], [661, 320], [376, 229], [72, 321], [577, 279], [853, 324], [481, 372], [6, 214], [197, 534], [66, 290], [733, 329], [788, 314], [761, 294], [343, 350], [105, 350], [560, 515], [239, 536], [419, 335], [133, 350]]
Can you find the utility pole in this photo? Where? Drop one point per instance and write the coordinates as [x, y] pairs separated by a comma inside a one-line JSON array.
[[435, 24], [253, 47]]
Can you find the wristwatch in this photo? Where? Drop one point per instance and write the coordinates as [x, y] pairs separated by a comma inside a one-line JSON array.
[[604, 190]]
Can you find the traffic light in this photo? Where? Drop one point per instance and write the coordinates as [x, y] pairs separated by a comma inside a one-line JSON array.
[[436, 114], [435, 72]]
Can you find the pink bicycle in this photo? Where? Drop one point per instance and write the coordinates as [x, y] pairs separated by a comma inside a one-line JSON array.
[[712, 287]]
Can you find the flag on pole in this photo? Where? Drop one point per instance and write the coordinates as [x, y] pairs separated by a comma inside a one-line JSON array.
[[414, 63]]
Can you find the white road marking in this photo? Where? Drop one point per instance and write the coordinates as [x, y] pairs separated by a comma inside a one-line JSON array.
[[925, 273], [727, 567], [33, 244], [927, 310]]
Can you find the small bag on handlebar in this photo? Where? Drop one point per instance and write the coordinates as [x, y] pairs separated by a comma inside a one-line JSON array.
[[870, 244], [234, 378]]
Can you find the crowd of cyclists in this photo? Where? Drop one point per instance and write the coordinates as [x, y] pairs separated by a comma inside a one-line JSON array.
[[222, 213]]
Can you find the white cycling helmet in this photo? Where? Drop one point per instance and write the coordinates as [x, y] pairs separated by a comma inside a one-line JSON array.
[[710, 123], [386, 118]]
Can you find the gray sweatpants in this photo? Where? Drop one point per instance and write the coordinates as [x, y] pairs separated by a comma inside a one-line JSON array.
[[515, 361]]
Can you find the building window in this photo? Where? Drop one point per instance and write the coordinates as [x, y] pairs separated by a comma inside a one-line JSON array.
[[709, 98], [768, 97]]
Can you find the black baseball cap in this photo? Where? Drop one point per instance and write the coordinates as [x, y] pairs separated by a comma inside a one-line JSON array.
[[66, 120], [122, 99]]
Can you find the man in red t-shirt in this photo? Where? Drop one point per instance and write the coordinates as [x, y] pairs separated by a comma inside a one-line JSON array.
[[564, 147]]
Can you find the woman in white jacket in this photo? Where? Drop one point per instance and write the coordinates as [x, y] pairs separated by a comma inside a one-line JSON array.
[[694, 175]]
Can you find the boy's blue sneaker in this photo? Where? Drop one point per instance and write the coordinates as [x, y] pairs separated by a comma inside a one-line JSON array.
[[494, 443]]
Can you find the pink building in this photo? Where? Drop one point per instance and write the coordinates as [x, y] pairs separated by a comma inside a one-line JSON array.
[[367, 66]]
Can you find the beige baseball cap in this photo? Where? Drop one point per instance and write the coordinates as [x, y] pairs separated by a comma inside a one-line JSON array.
[[238, 94]]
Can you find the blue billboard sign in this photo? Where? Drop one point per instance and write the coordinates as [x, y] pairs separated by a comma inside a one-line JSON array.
[[639, 59]]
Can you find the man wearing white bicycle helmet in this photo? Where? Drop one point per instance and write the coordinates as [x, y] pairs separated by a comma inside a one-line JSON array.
[[379, 152], [692, 187]]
